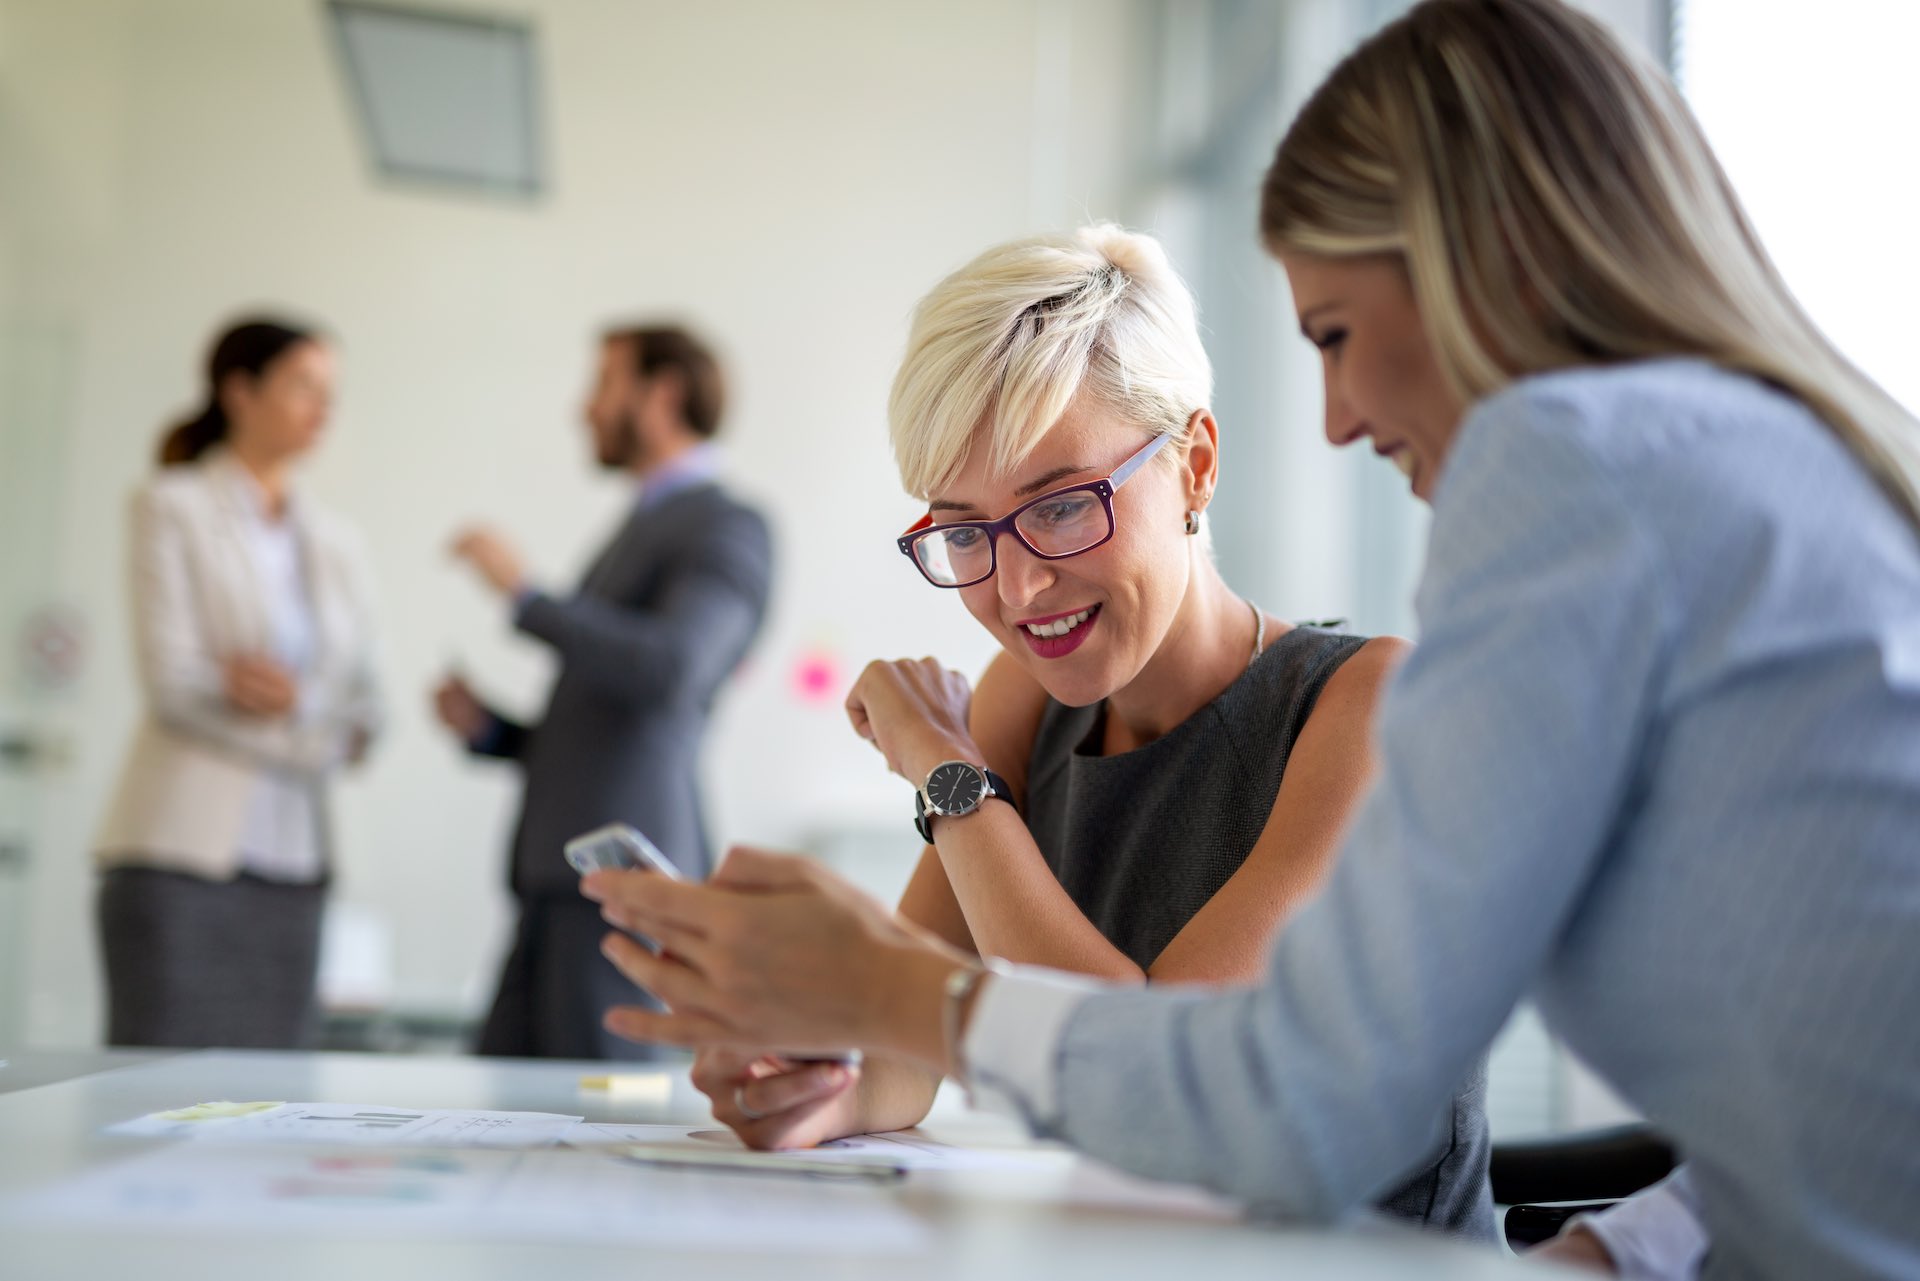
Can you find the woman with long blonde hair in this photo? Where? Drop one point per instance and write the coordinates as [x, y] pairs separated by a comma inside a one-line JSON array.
[[1655, 762]]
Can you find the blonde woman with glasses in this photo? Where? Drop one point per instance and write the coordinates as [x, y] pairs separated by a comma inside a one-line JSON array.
[[1655, 764], [1154, 771]]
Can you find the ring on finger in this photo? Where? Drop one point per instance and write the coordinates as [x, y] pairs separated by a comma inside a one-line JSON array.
[[741, 1104]]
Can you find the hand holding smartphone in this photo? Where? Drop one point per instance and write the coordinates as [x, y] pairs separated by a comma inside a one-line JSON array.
[[620, 848]]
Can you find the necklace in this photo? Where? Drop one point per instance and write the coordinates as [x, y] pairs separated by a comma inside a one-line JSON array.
[[1259, 632]]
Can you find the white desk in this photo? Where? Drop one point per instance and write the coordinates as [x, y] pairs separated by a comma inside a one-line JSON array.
[[1060, 1219], [30, 1069]]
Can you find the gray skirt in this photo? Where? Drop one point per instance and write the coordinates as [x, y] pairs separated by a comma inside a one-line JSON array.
[[195, 963]]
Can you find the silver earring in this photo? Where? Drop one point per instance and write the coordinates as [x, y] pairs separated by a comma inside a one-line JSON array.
[[1193, 523]]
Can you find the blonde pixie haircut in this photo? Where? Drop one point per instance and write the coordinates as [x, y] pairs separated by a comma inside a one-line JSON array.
[[1001, 347], [1555, 204]]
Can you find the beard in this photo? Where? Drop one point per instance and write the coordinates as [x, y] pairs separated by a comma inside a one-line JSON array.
[[618, 448]]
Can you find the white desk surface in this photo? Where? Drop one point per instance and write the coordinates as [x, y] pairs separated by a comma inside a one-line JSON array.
[[1057, 1220]]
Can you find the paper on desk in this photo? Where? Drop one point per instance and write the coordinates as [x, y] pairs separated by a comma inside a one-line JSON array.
[[906, 1150], [352, 1123], [557, 1194]]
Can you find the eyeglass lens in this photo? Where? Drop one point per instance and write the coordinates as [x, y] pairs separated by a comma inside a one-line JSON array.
[[1057, 525]]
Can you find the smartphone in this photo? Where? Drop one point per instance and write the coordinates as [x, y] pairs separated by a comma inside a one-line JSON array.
[[617, 848]]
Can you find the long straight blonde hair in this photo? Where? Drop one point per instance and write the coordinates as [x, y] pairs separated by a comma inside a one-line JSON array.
[[1555, 205]]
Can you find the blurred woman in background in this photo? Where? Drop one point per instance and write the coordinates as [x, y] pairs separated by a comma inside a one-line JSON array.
[[253, 639]]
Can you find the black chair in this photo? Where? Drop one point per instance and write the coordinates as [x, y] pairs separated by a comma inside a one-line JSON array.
[[1585, 1171]]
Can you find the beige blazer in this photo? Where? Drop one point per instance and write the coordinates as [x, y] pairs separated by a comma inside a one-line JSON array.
[[190, 775]]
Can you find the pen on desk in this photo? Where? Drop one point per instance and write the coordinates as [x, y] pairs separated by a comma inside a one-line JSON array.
[[727, 1160]]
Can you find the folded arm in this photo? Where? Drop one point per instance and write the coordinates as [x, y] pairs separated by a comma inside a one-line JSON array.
[[183, 675]]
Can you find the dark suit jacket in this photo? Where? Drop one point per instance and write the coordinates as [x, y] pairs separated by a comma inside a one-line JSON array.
[[661, 620]]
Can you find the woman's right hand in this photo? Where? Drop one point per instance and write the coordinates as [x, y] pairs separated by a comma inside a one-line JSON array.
[[773, 1102], [916, 712], [258, 686], [775, 950]]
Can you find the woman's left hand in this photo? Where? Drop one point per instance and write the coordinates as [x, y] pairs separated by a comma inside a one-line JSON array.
[[774, 950], [915, 711]]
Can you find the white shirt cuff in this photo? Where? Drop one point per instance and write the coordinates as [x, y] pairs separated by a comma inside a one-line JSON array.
[[1012, 1044], [1652, 1236]]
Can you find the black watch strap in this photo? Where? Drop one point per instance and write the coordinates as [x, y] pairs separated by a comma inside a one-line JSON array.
[[923, 822]]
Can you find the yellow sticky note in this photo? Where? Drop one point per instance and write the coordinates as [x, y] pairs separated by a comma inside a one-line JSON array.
[[633, 1087], [215, 1111]]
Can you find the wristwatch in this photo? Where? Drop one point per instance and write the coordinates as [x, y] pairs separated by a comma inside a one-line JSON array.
[[954, 788]]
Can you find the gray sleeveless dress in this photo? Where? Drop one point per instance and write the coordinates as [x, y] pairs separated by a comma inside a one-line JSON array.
[[1142, 840]]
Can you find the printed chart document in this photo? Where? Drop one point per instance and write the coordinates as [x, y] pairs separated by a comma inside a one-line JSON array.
[[554, 1194], [902, 1149], [352, 1123]]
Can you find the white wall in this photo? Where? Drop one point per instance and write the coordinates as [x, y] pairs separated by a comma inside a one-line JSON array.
[[789, 177]]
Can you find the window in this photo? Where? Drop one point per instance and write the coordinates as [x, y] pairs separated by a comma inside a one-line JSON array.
[[443, 99], [1811, 110]]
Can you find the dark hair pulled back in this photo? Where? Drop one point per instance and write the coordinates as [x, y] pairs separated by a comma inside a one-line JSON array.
[[247, 348]]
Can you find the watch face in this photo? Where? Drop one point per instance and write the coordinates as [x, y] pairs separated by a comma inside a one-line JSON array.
[[955, 788]]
